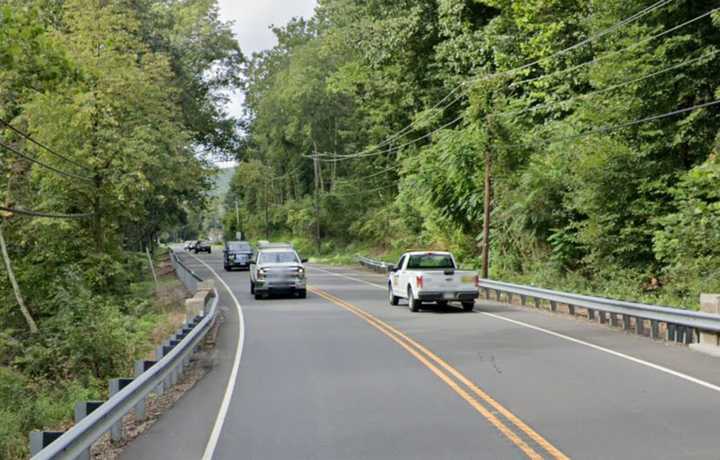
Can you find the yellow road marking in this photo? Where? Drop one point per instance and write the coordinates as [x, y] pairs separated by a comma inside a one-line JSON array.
[[552, 450], [407, 343]]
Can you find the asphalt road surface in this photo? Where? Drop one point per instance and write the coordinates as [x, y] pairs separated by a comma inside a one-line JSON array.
[[343, 375]]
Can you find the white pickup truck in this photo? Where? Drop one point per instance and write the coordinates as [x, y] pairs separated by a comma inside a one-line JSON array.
[[431, 277]]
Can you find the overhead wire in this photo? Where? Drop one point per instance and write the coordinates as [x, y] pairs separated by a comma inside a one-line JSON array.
[[51, 215], [338, 158], [43, 164], [615, 52], [363, 192], [29, 138], [610, 128], [617, 26], [659, 4], [611, 87]]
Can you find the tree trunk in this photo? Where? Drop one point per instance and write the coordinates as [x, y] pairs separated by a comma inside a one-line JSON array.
[[18, 295]]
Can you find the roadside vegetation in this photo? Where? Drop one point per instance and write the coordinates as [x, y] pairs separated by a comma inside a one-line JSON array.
[[104, 106], [401, 102]]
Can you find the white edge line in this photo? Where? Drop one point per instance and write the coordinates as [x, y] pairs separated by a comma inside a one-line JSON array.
[[642, 362], [222, 413]]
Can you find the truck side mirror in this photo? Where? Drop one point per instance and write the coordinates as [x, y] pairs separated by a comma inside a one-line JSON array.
[[391, 268]]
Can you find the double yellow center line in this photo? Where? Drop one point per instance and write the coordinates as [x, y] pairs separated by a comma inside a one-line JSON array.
[[501, 418]]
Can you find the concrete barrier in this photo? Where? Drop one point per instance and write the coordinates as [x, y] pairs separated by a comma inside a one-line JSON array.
[[709, 341], [195, 306]]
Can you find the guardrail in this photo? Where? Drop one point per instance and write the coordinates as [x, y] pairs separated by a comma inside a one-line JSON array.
[[373, 264], [95, 418], [679, 325], [673, 324], [187, 277]]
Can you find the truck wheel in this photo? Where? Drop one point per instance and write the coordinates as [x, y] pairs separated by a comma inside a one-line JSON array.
[[442, 303], [258, 296], [302, 294], [468, 306], [413, 303], [252, 287], [392, 298]]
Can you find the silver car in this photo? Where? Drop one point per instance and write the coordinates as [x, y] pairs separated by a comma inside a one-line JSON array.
[[277, 270]]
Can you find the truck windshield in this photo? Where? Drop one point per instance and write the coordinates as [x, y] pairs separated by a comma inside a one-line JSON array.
[[430, 262], [277, 257]]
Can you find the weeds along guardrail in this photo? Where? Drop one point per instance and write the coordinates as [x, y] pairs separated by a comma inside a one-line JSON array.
[[655, 321], [95, 418]]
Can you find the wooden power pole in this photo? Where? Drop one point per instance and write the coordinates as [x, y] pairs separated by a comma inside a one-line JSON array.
[[316, 168], [487, 213], [267, 211]]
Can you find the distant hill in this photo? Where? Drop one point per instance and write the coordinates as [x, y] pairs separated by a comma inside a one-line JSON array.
[[221, 183]]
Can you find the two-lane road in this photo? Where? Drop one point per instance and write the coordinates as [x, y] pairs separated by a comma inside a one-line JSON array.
[[343, 375]]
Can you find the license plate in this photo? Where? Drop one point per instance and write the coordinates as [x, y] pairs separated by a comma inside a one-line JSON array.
[[448, 296]]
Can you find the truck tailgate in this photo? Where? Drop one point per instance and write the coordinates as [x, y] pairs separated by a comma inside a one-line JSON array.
[[440, 282]]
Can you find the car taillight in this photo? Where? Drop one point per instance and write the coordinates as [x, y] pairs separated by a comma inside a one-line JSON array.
[[477, 281], [419, 281]]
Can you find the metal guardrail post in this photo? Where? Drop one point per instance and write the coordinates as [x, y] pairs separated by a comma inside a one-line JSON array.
[[41, 439], [654, 330], [117, 432], [82, 410], [140, 367]]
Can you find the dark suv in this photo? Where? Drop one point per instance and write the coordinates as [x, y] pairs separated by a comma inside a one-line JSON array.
[[237, 254], [202, 246]]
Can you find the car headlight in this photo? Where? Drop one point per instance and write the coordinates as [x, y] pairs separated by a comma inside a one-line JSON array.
[[300, 272], [261, 274]]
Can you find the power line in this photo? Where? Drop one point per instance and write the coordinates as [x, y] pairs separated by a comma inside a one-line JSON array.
[[44, 165], [437, 107], [43, 146], [32, 213], [286, 175], [592, 38], [610, 128], [392, 149], [612, 87], [666, 32], [615, 27], [613, 53], [363, 192]]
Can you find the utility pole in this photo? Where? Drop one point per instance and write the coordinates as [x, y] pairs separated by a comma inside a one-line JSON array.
[[316, 168], [267, 211], [487, 212], [237, 217]]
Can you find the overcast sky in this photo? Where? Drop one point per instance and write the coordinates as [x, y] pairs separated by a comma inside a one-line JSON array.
[[253, 19]]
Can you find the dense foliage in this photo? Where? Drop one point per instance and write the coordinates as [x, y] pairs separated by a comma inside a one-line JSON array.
[[575, 205], [125, 94]]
